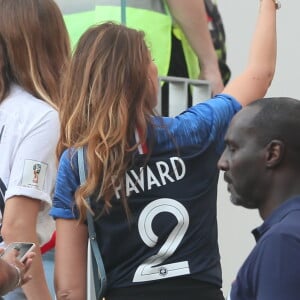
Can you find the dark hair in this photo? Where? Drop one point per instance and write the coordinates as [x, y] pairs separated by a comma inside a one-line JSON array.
[[278, 118]]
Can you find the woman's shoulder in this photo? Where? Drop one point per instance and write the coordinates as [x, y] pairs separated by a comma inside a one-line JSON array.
[[69, 158], [21, 100], [28, 112]]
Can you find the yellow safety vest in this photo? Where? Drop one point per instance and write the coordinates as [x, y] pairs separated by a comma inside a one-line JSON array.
[[157, 25]]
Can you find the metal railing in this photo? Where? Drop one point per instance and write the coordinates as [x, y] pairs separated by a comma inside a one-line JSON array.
[[178, 93]]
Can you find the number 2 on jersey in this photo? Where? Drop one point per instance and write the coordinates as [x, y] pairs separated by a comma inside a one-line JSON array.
[[152, 268]]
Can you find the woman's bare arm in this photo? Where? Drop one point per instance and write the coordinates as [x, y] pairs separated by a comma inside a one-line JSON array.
[[70, 260], [254, 82]]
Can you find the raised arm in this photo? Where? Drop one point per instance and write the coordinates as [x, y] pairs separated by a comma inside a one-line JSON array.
[[254, 82], [191, 16]]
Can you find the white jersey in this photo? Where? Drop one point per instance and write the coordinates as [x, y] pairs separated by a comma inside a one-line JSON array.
[[29, 130]]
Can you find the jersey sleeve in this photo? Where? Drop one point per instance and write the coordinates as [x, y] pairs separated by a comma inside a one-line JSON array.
[[33, 168], [204, 123], [66, 185]]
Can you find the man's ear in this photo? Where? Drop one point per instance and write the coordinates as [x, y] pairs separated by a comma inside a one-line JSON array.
[[274, 153]]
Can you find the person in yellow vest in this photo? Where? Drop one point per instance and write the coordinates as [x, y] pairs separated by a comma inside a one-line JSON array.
[[218, 35], [167, 25], [193, 53]]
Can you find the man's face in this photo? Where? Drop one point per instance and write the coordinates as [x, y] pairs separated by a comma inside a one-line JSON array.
[[243, 161]]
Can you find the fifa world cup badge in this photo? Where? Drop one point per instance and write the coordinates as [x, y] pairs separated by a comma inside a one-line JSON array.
[[33, 174]]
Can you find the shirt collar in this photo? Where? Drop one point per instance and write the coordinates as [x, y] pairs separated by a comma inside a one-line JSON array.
[[277, 215]]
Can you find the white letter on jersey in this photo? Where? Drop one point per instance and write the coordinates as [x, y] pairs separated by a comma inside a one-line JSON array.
[[175, 161]]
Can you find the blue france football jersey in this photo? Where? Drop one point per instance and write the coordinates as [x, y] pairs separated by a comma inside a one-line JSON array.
[[172, 230]]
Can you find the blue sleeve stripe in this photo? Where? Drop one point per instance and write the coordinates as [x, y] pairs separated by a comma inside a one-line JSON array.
[[58, 213]]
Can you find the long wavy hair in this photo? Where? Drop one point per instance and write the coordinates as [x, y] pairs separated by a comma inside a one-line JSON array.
[[107, 95], [34, 48]]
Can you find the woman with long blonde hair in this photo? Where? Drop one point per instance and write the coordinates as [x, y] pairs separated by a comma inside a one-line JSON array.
[[34, 52], [152, 180]]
